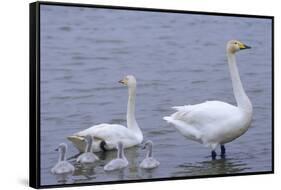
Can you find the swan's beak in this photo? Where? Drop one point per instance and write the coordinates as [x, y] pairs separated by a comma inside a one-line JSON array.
[[123, 81], [57, 149], [244, 46]]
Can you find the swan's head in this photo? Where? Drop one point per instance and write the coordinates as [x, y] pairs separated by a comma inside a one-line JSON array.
[[62, 147], [129, 81], [234, 46]]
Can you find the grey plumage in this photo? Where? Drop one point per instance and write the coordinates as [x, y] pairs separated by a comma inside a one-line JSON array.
[[88, 157], [120, 162], [149, 162], [62, 168]]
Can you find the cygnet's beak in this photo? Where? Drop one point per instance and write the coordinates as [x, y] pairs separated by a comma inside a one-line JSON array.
[[143, 145]]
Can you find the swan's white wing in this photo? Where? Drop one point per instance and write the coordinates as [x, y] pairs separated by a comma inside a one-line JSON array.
[[204, 113], [205, 121], [110, 133], [101, 127]]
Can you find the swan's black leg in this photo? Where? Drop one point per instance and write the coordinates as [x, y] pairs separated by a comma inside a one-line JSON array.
[[214, 154], [222, 151], [102, 145]]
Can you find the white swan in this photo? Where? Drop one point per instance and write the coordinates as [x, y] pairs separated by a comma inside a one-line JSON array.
[[120, 162], [87, 158], [63, 168], [149, 162], [214, 123], [105, 135]]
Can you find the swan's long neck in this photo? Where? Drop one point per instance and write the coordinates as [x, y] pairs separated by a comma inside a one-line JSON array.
[[88, 145], [62, 154], [131, 119], [149, 152], [120, 153], [242, 99]]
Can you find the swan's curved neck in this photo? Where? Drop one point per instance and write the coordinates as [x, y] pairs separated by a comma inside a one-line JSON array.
[[62, 155], [88, 146], [120, 153], [149, 152], [242, 99], [131, 119]]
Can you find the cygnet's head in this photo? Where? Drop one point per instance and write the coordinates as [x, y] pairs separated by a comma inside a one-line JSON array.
[[129, 81], [62, 147], [234, 46], [148, 144]]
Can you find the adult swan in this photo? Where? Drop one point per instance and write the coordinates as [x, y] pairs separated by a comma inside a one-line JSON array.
[[106, 136], [214, 123]]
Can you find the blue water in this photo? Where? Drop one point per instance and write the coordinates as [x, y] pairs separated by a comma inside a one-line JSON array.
[[177, 59]]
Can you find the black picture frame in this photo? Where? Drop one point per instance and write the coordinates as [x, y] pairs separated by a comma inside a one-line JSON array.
[[34, 91]]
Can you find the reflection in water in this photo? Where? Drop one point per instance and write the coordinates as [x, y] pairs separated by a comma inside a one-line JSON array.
[[84, 174], [62, 179], [212, 167], [147, 174], [117, 174]]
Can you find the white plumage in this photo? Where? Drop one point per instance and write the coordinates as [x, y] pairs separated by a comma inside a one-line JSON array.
[[214, 123], [110, 134]]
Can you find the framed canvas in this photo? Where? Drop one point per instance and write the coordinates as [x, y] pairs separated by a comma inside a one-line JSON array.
[[137, 94]]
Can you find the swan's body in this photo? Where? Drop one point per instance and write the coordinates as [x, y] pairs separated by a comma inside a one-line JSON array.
[[87, 158], [149, 162], [120, 162], [63, 168], [106, 135], [214, 123]]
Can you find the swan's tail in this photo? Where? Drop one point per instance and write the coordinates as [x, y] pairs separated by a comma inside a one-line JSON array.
[[168, 119], [185, 129], [177, 108], [78, 142], [185, 108]]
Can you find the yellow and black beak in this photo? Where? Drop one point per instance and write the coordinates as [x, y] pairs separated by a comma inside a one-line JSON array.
[[123, 81], [244, 46]]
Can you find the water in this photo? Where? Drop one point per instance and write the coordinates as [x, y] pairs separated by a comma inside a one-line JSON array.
[[177, 59]]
